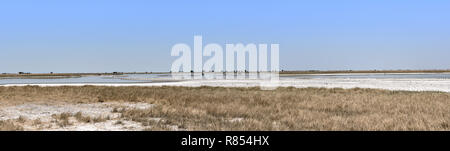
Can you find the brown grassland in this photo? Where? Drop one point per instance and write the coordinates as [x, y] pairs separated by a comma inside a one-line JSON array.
[[216, 108]]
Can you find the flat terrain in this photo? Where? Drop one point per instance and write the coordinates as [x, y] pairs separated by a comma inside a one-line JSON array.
[[220, 108], [31, 75], [402, 80], [362, 71], [422, 84]]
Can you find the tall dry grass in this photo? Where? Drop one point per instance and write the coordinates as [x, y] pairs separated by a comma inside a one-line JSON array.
[[210, 108]]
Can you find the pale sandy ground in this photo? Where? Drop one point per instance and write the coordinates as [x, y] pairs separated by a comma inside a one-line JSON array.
[[43, 112], [442, 85]]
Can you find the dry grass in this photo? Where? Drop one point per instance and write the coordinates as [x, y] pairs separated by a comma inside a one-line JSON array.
[[209, 108], [9, 125], [63, 119]]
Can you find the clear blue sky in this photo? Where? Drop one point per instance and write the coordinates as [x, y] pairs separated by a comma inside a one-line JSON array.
[[137, 35]]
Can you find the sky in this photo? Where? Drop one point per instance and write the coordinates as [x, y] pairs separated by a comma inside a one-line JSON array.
[[137, 35]]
